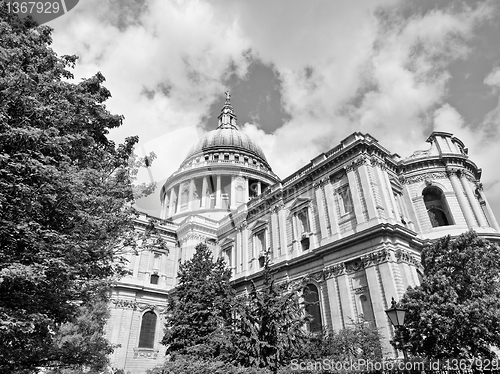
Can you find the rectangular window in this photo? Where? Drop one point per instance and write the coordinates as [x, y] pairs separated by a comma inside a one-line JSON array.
[[345, 199], [303, 221]]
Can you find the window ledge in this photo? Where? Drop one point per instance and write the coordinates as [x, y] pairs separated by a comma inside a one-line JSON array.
[[150, 353]]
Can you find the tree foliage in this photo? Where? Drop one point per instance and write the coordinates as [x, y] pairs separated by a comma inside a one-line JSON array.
[[269, 328], [358, 341], [65, 201], [455, 312], [201, 307]]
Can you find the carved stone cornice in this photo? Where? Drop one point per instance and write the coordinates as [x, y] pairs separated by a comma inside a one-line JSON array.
[[357, 162], [407, 257], [146, 353], [376, 258], [337, 177], [194, 236], [353, 266], [136, 305], [277, 207], [378, 162], [450, 172], [320, 183], [335, 270], [424, 177], [242, 226], [361, 289]]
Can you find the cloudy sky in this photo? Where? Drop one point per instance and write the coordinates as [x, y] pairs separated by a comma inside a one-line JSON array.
[[303, 74]]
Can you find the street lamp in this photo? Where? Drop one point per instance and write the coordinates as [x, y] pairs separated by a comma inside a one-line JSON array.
[[397, 317]]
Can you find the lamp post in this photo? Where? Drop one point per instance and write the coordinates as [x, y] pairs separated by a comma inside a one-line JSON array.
[[397, 317]]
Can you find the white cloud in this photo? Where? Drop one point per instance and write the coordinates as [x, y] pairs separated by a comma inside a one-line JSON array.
[[493, 78], [344, 67]]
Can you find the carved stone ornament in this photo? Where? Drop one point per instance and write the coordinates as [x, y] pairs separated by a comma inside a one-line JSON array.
[[354, 266], [337, 177], [378, 162], [146, 353], [427, 177], [135, 305], [242, 226], [375, 258], [320, 183], [357, 162], [362, 289], [405, 256], [335, 270]]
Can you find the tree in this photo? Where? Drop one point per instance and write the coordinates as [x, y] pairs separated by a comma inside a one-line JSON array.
[[455, 312], [359, 341], [66, 200], [200, 309], [269, 325]]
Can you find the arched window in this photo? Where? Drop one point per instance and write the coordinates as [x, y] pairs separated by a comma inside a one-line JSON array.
[[311, 298], [437, 208], [148, 328]]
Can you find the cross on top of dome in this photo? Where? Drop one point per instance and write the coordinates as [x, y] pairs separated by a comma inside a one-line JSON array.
[[227, 118]]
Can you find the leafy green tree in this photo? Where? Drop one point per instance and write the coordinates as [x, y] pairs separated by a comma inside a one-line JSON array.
[[65, 205], [455, 312], [359, 341], [200, 309], [269, 328], [196, 365]]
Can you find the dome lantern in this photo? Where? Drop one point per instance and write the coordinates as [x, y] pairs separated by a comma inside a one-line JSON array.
[[227, 118]]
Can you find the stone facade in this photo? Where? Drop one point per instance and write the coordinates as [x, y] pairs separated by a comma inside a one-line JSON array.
[[351, 223]]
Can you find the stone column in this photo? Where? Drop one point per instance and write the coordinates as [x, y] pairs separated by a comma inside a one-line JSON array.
[[473, 201], [464, 205], [191, 201], [204, 188], [282, 229], [274, 231], [321, 210], [218, 194], [244, 248], [346, 304], [335, 308], [172, 202], [332, 210], [179, 198], [380, 305], [233, 193], [489, 212], [412, 214], [397, 213], [383, 190], [358, 207], [247, 189], [367, 191], [259, 188], [237, 252]]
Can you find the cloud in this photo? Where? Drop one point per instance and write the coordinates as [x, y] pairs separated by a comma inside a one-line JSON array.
[[493, 78], [374, 66]]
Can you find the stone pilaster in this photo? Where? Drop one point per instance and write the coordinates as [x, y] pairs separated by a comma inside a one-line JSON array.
[[473, 201], [462, 201], [489, 212], [204, 195], [332, 211], [218, 193], [321, 211]]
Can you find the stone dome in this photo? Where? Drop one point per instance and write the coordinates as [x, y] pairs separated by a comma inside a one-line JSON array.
[[226, 137]]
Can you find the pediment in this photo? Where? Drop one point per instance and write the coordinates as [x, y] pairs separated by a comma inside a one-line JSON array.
[[260, 223], [299, 203]]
